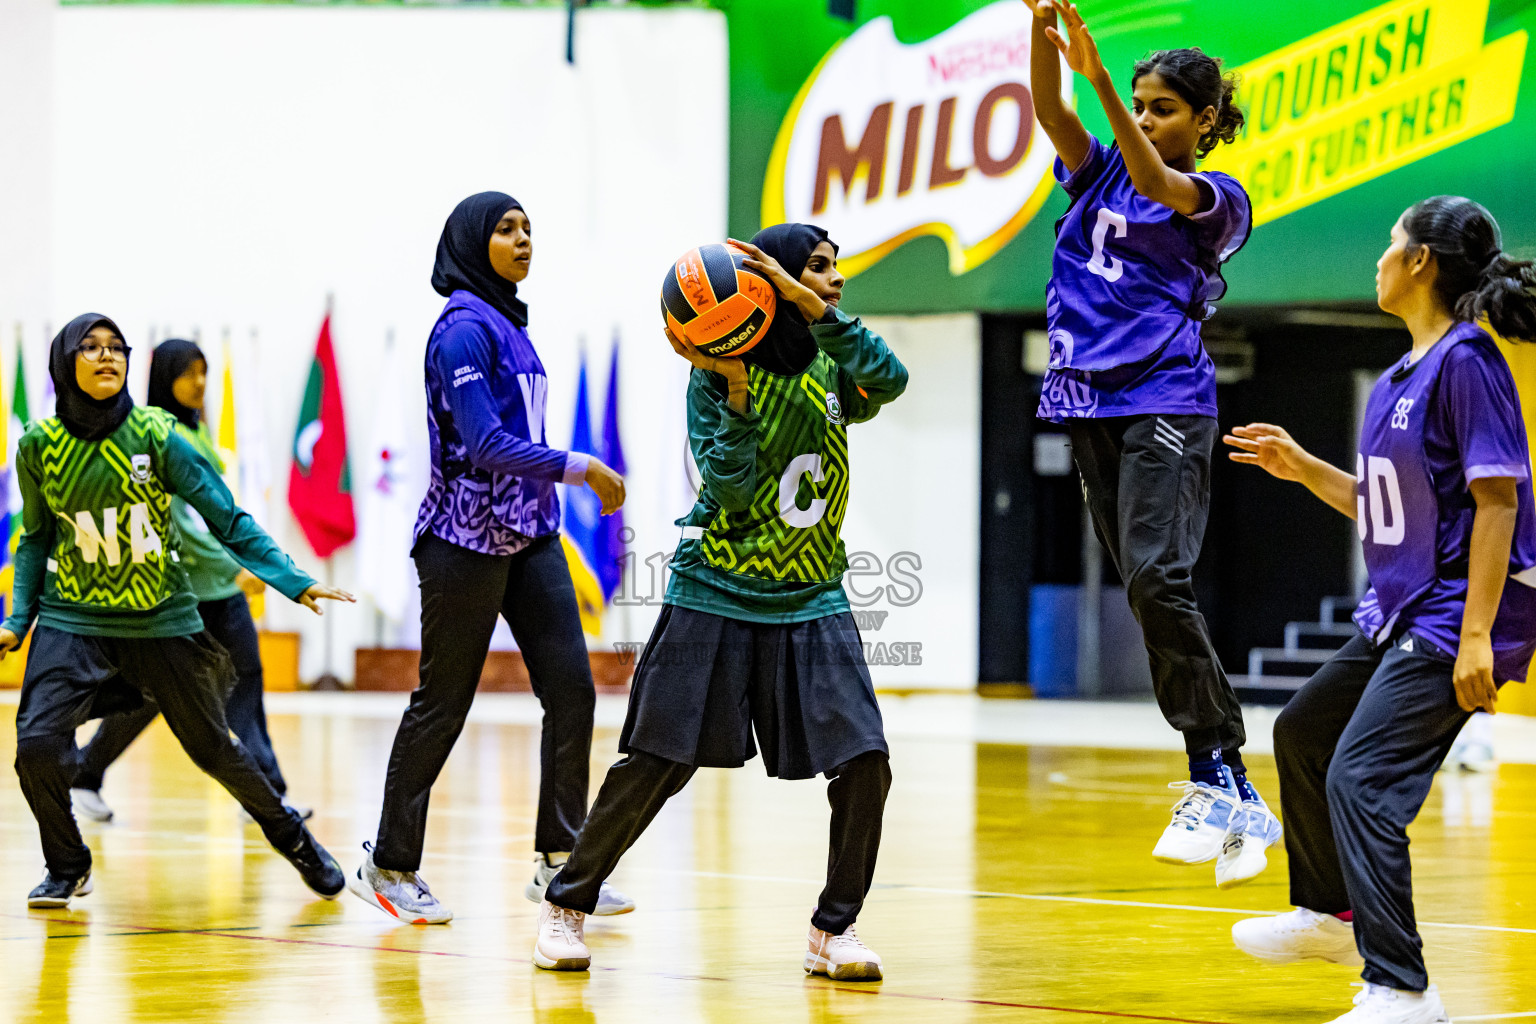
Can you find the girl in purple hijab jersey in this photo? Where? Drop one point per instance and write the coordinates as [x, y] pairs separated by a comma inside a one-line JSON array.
[[1441, 498]]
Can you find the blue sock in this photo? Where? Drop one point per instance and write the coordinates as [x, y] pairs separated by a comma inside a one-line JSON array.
[[1245, 788], [1207, 770]]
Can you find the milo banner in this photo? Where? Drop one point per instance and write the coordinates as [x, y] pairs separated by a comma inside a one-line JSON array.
[[909, 134]]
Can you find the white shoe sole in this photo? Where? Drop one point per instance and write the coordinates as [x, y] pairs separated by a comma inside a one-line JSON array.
[[1245, 868], [574, 963], [1349, 958], [365, 892], [858, 970]]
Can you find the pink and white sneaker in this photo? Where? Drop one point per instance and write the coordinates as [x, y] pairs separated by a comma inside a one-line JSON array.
[[561, 945], [841, 957]]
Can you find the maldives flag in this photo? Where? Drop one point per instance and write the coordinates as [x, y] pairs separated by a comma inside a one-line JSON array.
[[320, 483]]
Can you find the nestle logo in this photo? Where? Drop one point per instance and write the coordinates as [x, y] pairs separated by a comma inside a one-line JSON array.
[[979, 57]]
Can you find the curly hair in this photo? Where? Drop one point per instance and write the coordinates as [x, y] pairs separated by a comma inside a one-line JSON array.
[[1197, 77]]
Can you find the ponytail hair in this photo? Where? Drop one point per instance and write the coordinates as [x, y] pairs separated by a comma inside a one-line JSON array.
[[1197, 77], [1474, 277]]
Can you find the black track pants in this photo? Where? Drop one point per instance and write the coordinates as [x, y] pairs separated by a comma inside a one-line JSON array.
[[189, 677], [1358, 748], [1147, 480], [462, 592], [637, 787]]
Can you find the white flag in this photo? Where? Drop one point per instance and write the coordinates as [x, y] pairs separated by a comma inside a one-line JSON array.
[[385, 511], [252, 471]]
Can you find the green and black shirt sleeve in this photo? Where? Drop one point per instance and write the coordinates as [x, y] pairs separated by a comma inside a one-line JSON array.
[[869, 374], [192, 479], [723, 441], [32, 550]]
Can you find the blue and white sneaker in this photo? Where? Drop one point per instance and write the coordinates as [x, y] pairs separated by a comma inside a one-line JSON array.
[[1242, 856], [1202, 820]]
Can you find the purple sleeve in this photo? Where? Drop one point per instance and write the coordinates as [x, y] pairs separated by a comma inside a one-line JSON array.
[[490, 445], [1483, 410], [1224, 225], [1087, 172]]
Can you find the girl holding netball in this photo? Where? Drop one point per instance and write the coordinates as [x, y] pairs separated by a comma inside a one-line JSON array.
[[1441, 498], [1138, 258], [755, 634], [488, 545], [99, 570]]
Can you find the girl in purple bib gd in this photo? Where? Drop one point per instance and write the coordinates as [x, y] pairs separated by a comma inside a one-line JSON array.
[[1137, 262], [1441, 498]]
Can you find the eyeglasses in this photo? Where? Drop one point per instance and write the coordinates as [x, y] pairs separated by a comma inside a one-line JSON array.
[[93, 352]]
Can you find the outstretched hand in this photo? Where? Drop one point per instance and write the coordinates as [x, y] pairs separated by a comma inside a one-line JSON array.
[[1270, 448], [312, 597], [1077, 45]]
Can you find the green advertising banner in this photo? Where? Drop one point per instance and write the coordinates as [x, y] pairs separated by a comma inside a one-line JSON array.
[[909, 134]]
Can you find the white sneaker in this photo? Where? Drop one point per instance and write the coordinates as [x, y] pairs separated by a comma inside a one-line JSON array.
[[1243, 855], [841, 957], [609, 900], [89, 804], [400, 894], [1300, 935], [1377, 1004], [561, 945], [1469, 757], [1202, 819]]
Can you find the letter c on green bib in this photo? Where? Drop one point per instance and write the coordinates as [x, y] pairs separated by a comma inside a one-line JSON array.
[[789, 486]]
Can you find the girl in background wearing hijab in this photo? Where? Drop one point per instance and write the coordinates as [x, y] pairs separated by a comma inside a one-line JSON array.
[[99, 567], [488, 544], [178, 377], [755, 632]]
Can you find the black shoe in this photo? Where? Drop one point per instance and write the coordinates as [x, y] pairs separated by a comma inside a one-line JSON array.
[[318, 868], [54, 891]]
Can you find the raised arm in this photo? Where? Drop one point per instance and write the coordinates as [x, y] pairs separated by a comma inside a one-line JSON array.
[[1061, 123], [864, 359], [722, 433], [1273, 450], [1154, 179]]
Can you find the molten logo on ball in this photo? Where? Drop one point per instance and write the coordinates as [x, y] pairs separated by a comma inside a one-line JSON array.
[[889, 141]]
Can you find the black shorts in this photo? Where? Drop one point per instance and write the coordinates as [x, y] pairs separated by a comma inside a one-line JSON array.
[[706, 682], [72, 678]]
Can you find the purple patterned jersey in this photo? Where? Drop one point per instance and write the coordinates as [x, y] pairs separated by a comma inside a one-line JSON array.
[[1131, 280], [493, 476], [1431, 428]]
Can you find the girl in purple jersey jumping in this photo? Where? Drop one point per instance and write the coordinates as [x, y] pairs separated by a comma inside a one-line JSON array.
[[1138, 258], [1441, 497]]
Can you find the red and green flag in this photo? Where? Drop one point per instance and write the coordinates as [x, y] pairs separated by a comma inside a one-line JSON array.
[[320, 482]]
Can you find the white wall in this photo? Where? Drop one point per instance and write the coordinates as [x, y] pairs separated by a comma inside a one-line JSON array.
[[916, 487], [230, 166]]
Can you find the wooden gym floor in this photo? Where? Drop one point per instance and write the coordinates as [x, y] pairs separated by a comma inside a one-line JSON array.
[[1014, 885]]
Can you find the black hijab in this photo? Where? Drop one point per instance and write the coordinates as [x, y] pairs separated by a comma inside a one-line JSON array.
[[464, 259], [82, 415], [168, 362], [788, 348]]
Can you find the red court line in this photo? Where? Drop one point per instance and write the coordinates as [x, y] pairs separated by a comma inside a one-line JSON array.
[[151, 930]]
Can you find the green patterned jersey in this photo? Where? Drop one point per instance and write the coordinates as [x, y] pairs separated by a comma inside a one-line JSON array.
[[764, 540], [100, 550]]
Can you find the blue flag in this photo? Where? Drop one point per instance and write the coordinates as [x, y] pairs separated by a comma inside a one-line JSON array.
[[581, 531], [610, 553]]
